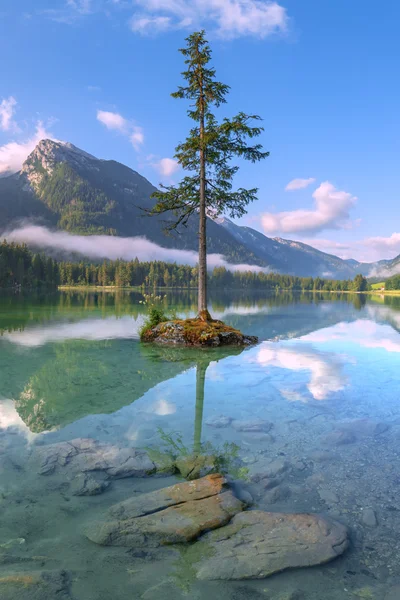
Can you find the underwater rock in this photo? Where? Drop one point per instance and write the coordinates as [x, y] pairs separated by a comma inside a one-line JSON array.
[[195, 466], [257, 544], [339, 437], [321, 456], [348, 432], [254, 425], [276, 494], [36, 585], [86, 455], [219, 421], [361, 428], [168, 588], [15, 542], [369, 517], [272, 472], [328, 496], [276, 467], [393, 593], [86, 485], [179, 513]]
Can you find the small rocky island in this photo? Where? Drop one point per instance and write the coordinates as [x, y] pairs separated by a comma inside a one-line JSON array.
[[199, 331]]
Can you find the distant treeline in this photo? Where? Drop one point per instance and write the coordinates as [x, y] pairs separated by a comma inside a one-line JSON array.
[[393, 283], [19, 267]]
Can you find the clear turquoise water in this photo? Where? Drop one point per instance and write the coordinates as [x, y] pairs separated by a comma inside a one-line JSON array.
[[71, 366]]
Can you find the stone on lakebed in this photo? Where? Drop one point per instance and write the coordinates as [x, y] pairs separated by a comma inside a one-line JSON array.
[[258, 544], [35, 585], [87, 455], [176, 514]]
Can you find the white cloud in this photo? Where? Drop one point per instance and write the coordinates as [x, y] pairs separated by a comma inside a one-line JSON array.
[[112, 120], [228, 18], [117, 122], [167, 166], [113, 247], [83, 7], [150, 25], [385, 244], [13, 154], [370, 249], [6, 114], [331, 211], [299, 184], [137, 137]]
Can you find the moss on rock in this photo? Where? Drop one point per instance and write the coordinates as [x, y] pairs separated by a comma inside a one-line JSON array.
[[197, 332]]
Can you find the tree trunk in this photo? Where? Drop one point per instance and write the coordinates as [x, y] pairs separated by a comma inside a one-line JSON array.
[[198, 422], [202, 299]]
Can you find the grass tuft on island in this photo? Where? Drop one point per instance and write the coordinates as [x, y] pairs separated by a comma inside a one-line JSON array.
[[196, 332]]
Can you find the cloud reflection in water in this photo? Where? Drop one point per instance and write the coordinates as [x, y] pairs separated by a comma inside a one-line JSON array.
[[326, 370]]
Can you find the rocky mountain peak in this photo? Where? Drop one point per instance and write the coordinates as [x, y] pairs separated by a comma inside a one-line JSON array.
[[49, 153]]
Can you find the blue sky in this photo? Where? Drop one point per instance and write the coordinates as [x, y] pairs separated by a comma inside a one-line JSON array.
[[323, 75]]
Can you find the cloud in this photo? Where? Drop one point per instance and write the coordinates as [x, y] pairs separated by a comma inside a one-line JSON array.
[[113, 247], [367, 250], [362, 332], [6, 114], [116, 122], [73, 10], [83, 7], [325, 369], [112, 120], [299, 184], [111, 328], [13, 154], [385, 244], [166, 166], [331, 211], [9, 418], [227, 18], [150, 25], [137, 137]]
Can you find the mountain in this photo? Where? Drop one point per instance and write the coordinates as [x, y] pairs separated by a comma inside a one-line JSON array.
[[386, 268], [66, 188], [294, 258]]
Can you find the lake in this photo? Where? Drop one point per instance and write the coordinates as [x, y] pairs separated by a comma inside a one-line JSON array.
[[325, 377]]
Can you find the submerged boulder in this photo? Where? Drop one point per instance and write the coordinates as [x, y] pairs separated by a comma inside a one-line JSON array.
[[179, 513], [35, 585], [253, 426], [196, 465], [88, 455], [257, 544]]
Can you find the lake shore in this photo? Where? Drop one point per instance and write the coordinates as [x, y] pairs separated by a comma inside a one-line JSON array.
[[113, 288]]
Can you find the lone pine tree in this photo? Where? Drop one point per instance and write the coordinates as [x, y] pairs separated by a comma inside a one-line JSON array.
[[206, 155]]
